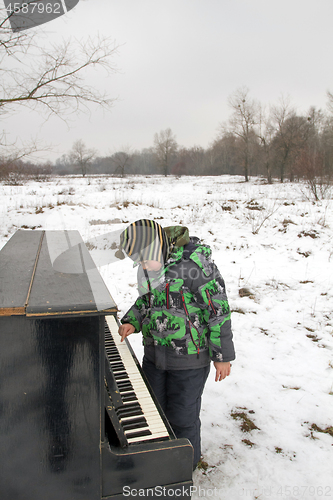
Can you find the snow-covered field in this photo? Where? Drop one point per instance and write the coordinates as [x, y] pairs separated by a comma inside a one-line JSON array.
[[267, 430]]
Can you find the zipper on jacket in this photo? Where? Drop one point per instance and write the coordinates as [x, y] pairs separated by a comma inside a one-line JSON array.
[[210, 301], [167, 286], [197, 346], [149, 294], [148, 285]]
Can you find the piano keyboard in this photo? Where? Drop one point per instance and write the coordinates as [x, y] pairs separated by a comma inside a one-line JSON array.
[[138, 415]]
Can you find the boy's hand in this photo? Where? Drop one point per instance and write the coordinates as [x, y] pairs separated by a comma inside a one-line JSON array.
[[125, 330], [222, 370]]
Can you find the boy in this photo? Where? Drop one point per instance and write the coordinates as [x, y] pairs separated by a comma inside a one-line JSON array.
[[184, 317]]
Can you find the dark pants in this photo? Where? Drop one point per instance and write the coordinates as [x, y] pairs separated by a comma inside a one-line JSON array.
[[179, 394]]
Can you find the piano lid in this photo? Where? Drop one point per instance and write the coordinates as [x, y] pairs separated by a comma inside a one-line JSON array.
[[35, 284]]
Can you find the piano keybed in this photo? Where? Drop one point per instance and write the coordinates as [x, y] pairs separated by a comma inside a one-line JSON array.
[[138, 415]]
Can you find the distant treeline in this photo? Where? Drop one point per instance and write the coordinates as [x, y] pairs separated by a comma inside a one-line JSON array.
[[277, 143]]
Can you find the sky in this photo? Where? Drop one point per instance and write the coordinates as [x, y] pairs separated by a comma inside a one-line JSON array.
[[179, 61]]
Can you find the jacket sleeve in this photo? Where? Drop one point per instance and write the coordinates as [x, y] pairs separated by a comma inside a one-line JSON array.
[[136, 314], [210, 294]]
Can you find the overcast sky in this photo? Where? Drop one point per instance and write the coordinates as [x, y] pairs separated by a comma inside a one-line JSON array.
[[179, 60]]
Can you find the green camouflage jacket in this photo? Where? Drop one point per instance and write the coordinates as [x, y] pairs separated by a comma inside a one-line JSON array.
[[183, 310]]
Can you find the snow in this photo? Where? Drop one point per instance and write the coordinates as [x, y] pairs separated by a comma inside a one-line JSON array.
[[273, 241]]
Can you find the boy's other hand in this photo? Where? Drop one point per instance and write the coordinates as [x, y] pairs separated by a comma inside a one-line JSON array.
[[125, 330], [222, 370]]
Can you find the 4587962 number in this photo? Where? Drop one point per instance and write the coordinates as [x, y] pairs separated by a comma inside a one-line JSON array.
[[299, 492], [34, 7]]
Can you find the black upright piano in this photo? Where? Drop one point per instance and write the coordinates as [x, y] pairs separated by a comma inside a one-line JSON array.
[[78, 420]]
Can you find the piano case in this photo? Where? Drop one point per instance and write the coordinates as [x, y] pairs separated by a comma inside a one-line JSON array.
[[70, 428]]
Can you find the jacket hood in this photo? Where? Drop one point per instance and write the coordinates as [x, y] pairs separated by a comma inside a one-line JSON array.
[[178, 236]]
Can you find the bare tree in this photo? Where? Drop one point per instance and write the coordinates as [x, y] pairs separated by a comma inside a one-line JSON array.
[[122, 160], [190, 161], [330, 101], [144, 161], [310, 165], [165, 148], [266, 132], [49, 78], [243, 121], [291, 135], [81, 156], [327, 145], [197, 160], [224, 155]]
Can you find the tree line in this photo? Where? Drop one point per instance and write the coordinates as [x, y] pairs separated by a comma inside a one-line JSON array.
[[275, 142]]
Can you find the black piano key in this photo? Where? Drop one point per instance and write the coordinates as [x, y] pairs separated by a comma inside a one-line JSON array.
[[123, 413], [120, 376], [131, 407], [124, 386], [142, 433], [129, 411], [135, 423], [113, 352], [115, 364], [117, 367], [113, 358], [128, 397]]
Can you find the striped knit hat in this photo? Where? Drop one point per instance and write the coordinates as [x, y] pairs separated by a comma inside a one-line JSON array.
[[145, 240]]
